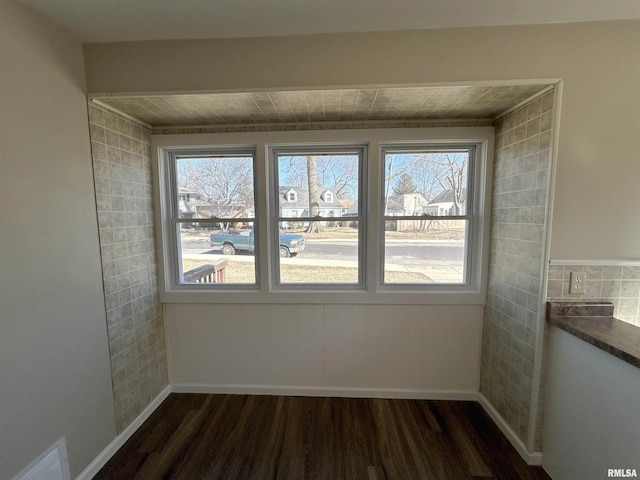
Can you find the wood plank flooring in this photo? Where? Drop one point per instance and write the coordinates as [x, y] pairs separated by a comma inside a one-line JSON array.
[[270, 437]]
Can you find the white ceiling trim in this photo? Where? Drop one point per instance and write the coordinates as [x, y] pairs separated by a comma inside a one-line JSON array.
[[123, 114]]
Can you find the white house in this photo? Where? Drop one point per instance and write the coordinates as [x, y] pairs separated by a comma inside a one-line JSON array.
[[443, 204], [411, 203], [188, 202]]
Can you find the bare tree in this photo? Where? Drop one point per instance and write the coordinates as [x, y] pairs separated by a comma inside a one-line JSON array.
[[451, 174], [296, 171], [225, 183], [423, 175], [337, 173], [340, 174], [218, 180], [314, 193]]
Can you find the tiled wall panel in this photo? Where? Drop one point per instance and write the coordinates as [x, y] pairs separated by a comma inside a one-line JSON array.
[[518, 225], [619, 284], [135, 324]]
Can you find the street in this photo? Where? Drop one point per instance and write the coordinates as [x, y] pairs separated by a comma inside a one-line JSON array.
[[407, 251]]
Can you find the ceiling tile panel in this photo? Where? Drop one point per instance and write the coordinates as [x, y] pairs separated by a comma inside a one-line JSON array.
[[384, 104]]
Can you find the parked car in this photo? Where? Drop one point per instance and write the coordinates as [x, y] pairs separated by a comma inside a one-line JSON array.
[[290, 243]]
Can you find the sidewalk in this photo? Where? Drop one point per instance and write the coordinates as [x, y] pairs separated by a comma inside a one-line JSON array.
[[391, 241], [439, 271]]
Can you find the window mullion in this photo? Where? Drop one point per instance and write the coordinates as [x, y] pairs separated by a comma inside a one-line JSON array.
[[262, 213], [372, 238]]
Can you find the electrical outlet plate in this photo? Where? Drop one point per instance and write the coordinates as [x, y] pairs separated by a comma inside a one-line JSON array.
[[577, 281]]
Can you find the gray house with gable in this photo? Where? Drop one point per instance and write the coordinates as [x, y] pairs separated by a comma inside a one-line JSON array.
[[294, 202]]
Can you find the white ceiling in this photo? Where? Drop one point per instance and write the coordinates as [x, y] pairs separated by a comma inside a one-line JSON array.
[[132, 20]]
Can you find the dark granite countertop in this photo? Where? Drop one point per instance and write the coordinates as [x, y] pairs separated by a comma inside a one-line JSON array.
[[595, 324]]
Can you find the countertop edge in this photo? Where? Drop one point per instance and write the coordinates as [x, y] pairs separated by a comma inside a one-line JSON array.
[[620, 339]]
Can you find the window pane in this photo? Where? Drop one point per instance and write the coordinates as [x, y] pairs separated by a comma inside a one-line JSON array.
[[433, 253], [432, 183], [333, 179], [217, 253], [215, 186], [328, 256]]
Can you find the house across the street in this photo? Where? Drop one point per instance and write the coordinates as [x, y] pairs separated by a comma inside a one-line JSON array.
[[294, 202]]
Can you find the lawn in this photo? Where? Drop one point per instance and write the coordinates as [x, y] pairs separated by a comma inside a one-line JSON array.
[[242, 272]]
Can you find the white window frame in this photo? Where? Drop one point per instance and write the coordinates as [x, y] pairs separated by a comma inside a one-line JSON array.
[[372, 291], [274, 151], [174, 219], [473, 173], [292, 196]]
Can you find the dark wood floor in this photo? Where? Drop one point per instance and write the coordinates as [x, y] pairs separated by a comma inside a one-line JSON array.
[[266, 437]]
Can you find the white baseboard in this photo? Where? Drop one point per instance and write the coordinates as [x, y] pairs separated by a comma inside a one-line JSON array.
[[532, 458], [100, 461], [350, 392]]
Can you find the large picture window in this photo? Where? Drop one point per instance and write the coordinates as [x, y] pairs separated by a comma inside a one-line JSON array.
[[379, 216]]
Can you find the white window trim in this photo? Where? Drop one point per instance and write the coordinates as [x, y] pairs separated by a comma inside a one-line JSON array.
[[374, 292], [172, 214]]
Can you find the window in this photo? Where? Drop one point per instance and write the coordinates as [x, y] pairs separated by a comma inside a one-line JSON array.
[[220, 224], [332, 245], [431, 243], [292, 196], [328, 197], [369, 216]]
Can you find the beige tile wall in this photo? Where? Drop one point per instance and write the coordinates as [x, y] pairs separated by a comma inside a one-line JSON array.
[[516, 264], [614, 283], [135, 324]]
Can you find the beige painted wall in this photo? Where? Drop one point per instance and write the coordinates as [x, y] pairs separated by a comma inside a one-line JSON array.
[[54, 363], [415, 350], [597, 170]]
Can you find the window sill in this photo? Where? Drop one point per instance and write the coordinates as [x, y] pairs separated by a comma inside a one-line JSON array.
[[441, 297]]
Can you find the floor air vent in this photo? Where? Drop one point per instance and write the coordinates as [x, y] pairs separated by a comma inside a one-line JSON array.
[[51, 465]]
